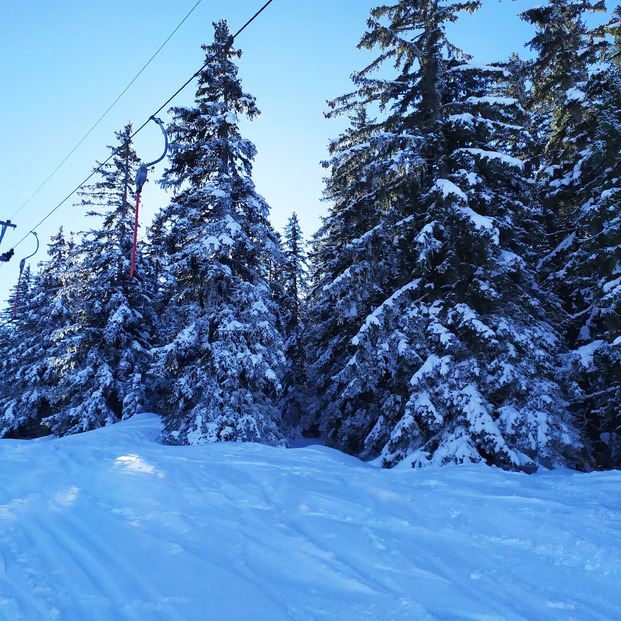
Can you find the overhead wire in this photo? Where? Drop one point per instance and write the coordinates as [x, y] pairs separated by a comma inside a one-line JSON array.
[[100, 167], [101, 118], [197, 73], [252, 19]]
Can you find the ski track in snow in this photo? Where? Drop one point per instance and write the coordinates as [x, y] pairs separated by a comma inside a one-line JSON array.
[[112, 525]]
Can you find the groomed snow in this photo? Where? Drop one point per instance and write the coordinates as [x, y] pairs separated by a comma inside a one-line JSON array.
[[111, 525]]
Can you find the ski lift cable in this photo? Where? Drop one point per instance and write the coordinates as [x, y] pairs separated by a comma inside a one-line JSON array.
[[251, 20], [99, 168], [141, 175], [197, 73], [101, 118]]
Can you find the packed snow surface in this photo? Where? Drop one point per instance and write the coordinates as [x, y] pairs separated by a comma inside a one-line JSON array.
[[113, 525]]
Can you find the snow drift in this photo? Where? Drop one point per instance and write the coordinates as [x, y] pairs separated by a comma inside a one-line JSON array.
[[111, 524]]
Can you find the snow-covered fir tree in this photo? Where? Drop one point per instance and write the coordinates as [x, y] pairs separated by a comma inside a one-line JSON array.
[[430, 266], [294, 278], [353, 259], [221, 356], [107, 340], [18, 351], [566, 51], [591, 266], [32, 341], [576, 81]]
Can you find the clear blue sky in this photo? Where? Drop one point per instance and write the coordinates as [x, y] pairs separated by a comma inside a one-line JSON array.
[[63, 62]]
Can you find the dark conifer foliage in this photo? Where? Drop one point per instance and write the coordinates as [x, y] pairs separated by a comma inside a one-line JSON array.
[[294, 277], [221, 357], [587, 269], [429, 268], [106, 341], [32, 343], [595, 270], [566, 52]]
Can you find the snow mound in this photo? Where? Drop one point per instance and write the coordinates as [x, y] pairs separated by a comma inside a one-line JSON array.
[[111, 524]]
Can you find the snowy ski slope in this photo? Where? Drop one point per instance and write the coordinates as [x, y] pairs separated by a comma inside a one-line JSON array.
[[111, 525]]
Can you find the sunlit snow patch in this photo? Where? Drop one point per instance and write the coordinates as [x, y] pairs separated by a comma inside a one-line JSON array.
[[65, 497], [134, 463]]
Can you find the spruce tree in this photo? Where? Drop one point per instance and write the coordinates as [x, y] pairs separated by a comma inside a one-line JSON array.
[[566, 52], [591, 271], [452, 357], [576, 80], [107, 340], [294, 280], [221, 356], [32, 345]]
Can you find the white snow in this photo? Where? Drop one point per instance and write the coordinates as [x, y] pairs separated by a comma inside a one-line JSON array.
[[232, 225], [483, 222], [566, 243], [468, 317], [448, 188], [434, 364], [465, 118], [586, 353], [111, 525], [575, 94], [374, 317], [510, 258], [478, 67], [610, 193], [611, 285], [493, 101], [494, 155], [212, 243]]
